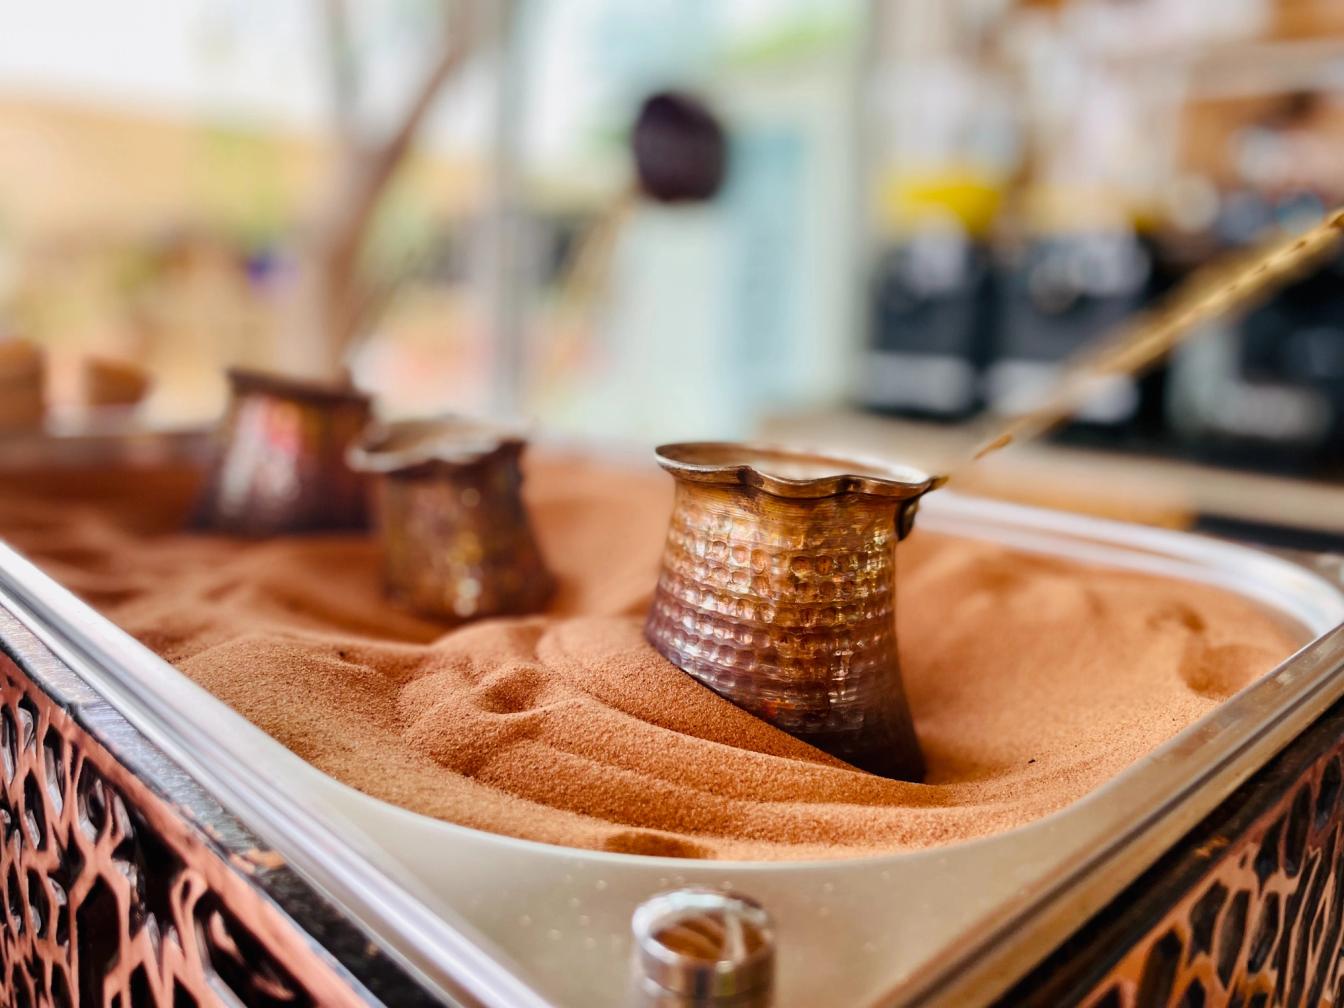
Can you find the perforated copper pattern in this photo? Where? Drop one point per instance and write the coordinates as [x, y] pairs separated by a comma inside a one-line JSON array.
[[112, 899], [1263, 927]]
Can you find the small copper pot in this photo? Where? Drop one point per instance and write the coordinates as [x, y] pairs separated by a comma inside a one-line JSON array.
[[457, 541], [778, 592], [281, 464]]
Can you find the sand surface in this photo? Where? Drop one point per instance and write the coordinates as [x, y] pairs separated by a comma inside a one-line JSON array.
[[1032, 680]]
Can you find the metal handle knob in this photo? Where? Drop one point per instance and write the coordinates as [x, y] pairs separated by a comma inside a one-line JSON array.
[[704, 947]]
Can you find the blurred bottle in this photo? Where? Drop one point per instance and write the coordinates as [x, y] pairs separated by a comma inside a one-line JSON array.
[[1072, 262], [948, 145], [931, 324], [1059, 291], [1266, 389]]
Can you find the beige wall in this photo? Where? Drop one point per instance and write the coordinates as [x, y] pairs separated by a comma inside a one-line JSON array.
[[69, 169]]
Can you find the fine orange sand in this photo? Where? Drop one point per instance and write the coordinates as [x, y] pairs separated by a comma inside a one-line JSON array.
[[1032, 680]]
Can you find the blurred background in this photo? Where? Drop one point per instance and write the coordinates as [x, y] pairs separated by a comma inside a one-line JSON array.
[[831, 221]]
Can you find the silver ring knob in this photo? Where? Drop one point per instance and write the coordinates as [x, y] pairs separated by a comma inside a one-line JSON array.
[[704, 947]]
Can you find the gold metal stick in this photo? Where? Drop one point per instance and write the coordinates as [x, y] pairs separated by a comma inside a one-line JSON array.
[[1206, 295]]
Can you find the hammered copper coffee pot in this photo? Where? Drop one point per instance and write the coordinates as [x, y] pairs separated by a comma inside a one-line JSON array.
[[281, 463], [457, 541], [778, 592]]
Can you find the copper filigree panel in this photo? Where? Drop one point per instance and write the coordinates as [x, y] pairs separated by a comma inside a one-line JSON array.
[[1263, 926], [112, 898]]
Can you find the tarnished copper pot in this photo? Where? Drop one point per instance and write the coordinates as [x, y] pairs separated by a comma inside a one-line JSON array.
[[457, 541], [281, 465], [778, 591]]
